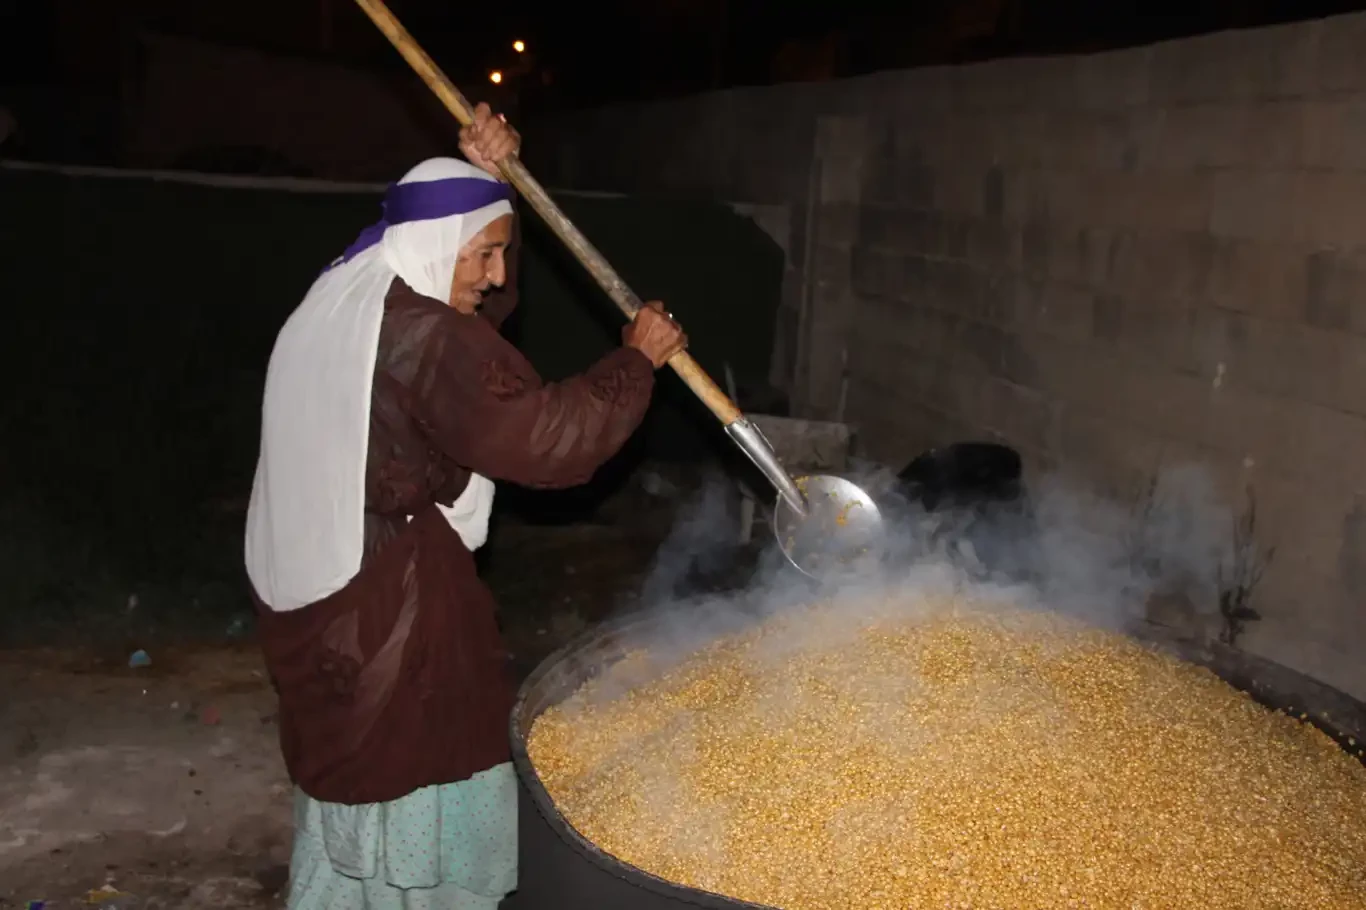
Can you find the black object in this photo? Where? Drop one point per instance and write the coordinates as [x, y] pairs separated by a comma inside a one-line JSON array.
[[966, 501], [963, 475], [560, 870]]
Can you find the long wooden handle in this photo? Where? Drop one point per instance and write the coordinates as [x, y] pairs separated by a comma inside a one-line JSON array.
[[688, 369]]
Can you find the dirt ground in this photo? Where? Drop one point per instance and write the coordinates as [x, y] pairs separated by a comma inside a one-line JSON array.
[[163, 782], [162, 787]]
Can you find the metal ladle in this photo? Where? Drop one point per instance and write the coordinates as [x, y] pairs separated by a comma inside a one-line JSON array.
[[822, 522]]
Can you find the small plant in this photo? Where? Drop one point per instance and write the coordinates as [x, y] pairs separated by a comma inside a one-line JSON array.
[[1247, 564]]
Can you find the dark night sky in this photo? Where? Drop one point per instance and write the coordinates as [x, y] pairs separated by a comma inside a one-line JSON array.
[[638, 49], [648, 37], [604, 50]]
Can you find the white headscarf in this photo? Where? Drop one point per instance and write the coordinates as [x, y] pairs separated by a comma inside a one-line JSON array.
[[305, 523]]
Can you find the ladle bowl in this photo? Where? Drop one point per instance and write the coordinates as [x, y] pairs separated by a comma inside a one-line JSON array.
[[840, 532]]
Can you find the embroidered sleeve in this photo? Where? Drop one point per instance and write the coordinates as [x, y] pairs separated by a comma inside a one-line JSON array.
[[481, 403]]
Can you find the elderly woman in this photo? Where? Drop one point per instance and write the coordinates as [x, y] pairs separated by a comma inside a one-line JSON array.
[[391, 406]]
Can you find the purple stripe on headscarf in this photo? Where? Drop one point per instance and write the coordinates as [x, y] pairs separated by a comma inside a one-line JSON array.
[[427, 200]]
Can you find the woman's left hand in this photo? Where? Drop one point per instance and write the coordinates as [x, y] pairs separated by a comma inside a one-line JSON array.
[[488, 140]]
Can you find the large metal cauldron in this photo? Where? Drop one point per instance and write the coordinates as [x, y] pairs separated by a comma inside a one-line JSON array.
[[560, 870]]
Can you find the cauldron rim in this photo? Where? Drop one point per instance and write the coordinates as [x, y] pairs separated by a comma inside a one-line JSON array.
[[1240, 669], [545, 806]]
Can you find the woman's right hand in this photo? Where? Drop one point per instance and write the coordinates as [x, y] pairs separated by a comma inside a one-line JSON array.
[[654, 333], [488, 140]]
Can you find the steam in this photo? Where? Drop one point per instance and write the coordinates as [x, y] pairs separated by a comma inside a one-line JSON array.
[[1063, 548], [1182, 533]]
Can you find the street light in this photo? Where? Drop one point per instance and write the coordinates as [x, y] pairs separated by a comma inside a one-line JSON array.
[[519, 46], [495, 77]]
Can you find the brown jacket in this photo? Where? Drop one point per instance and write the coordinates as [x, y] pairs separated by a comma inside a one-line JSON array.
[[399, 681]]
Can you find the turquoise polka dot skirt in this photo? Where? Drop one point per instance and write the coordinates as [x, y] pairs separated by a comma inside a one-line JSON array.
[[449, 847]]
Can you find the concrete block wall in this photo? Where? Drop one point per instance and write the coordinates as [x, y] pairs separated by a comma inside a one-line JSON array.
[[1116, 263], [1123, 263]]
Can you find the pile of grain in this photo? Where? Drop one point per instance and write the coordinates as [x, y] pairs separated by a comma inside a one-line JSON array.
[[952, 759]]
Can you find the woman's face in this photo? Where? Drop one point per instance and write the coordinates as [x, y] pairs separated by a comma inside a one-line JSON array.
[[480, 265]]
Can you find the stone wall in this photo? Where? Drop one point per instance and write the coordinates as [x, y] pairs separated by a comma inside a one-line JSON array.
[[1116, 263]]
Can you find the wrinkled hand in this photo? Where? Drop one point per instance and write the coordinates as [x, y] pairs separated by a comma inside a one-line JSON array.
[[655, 334], [488, 140]]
